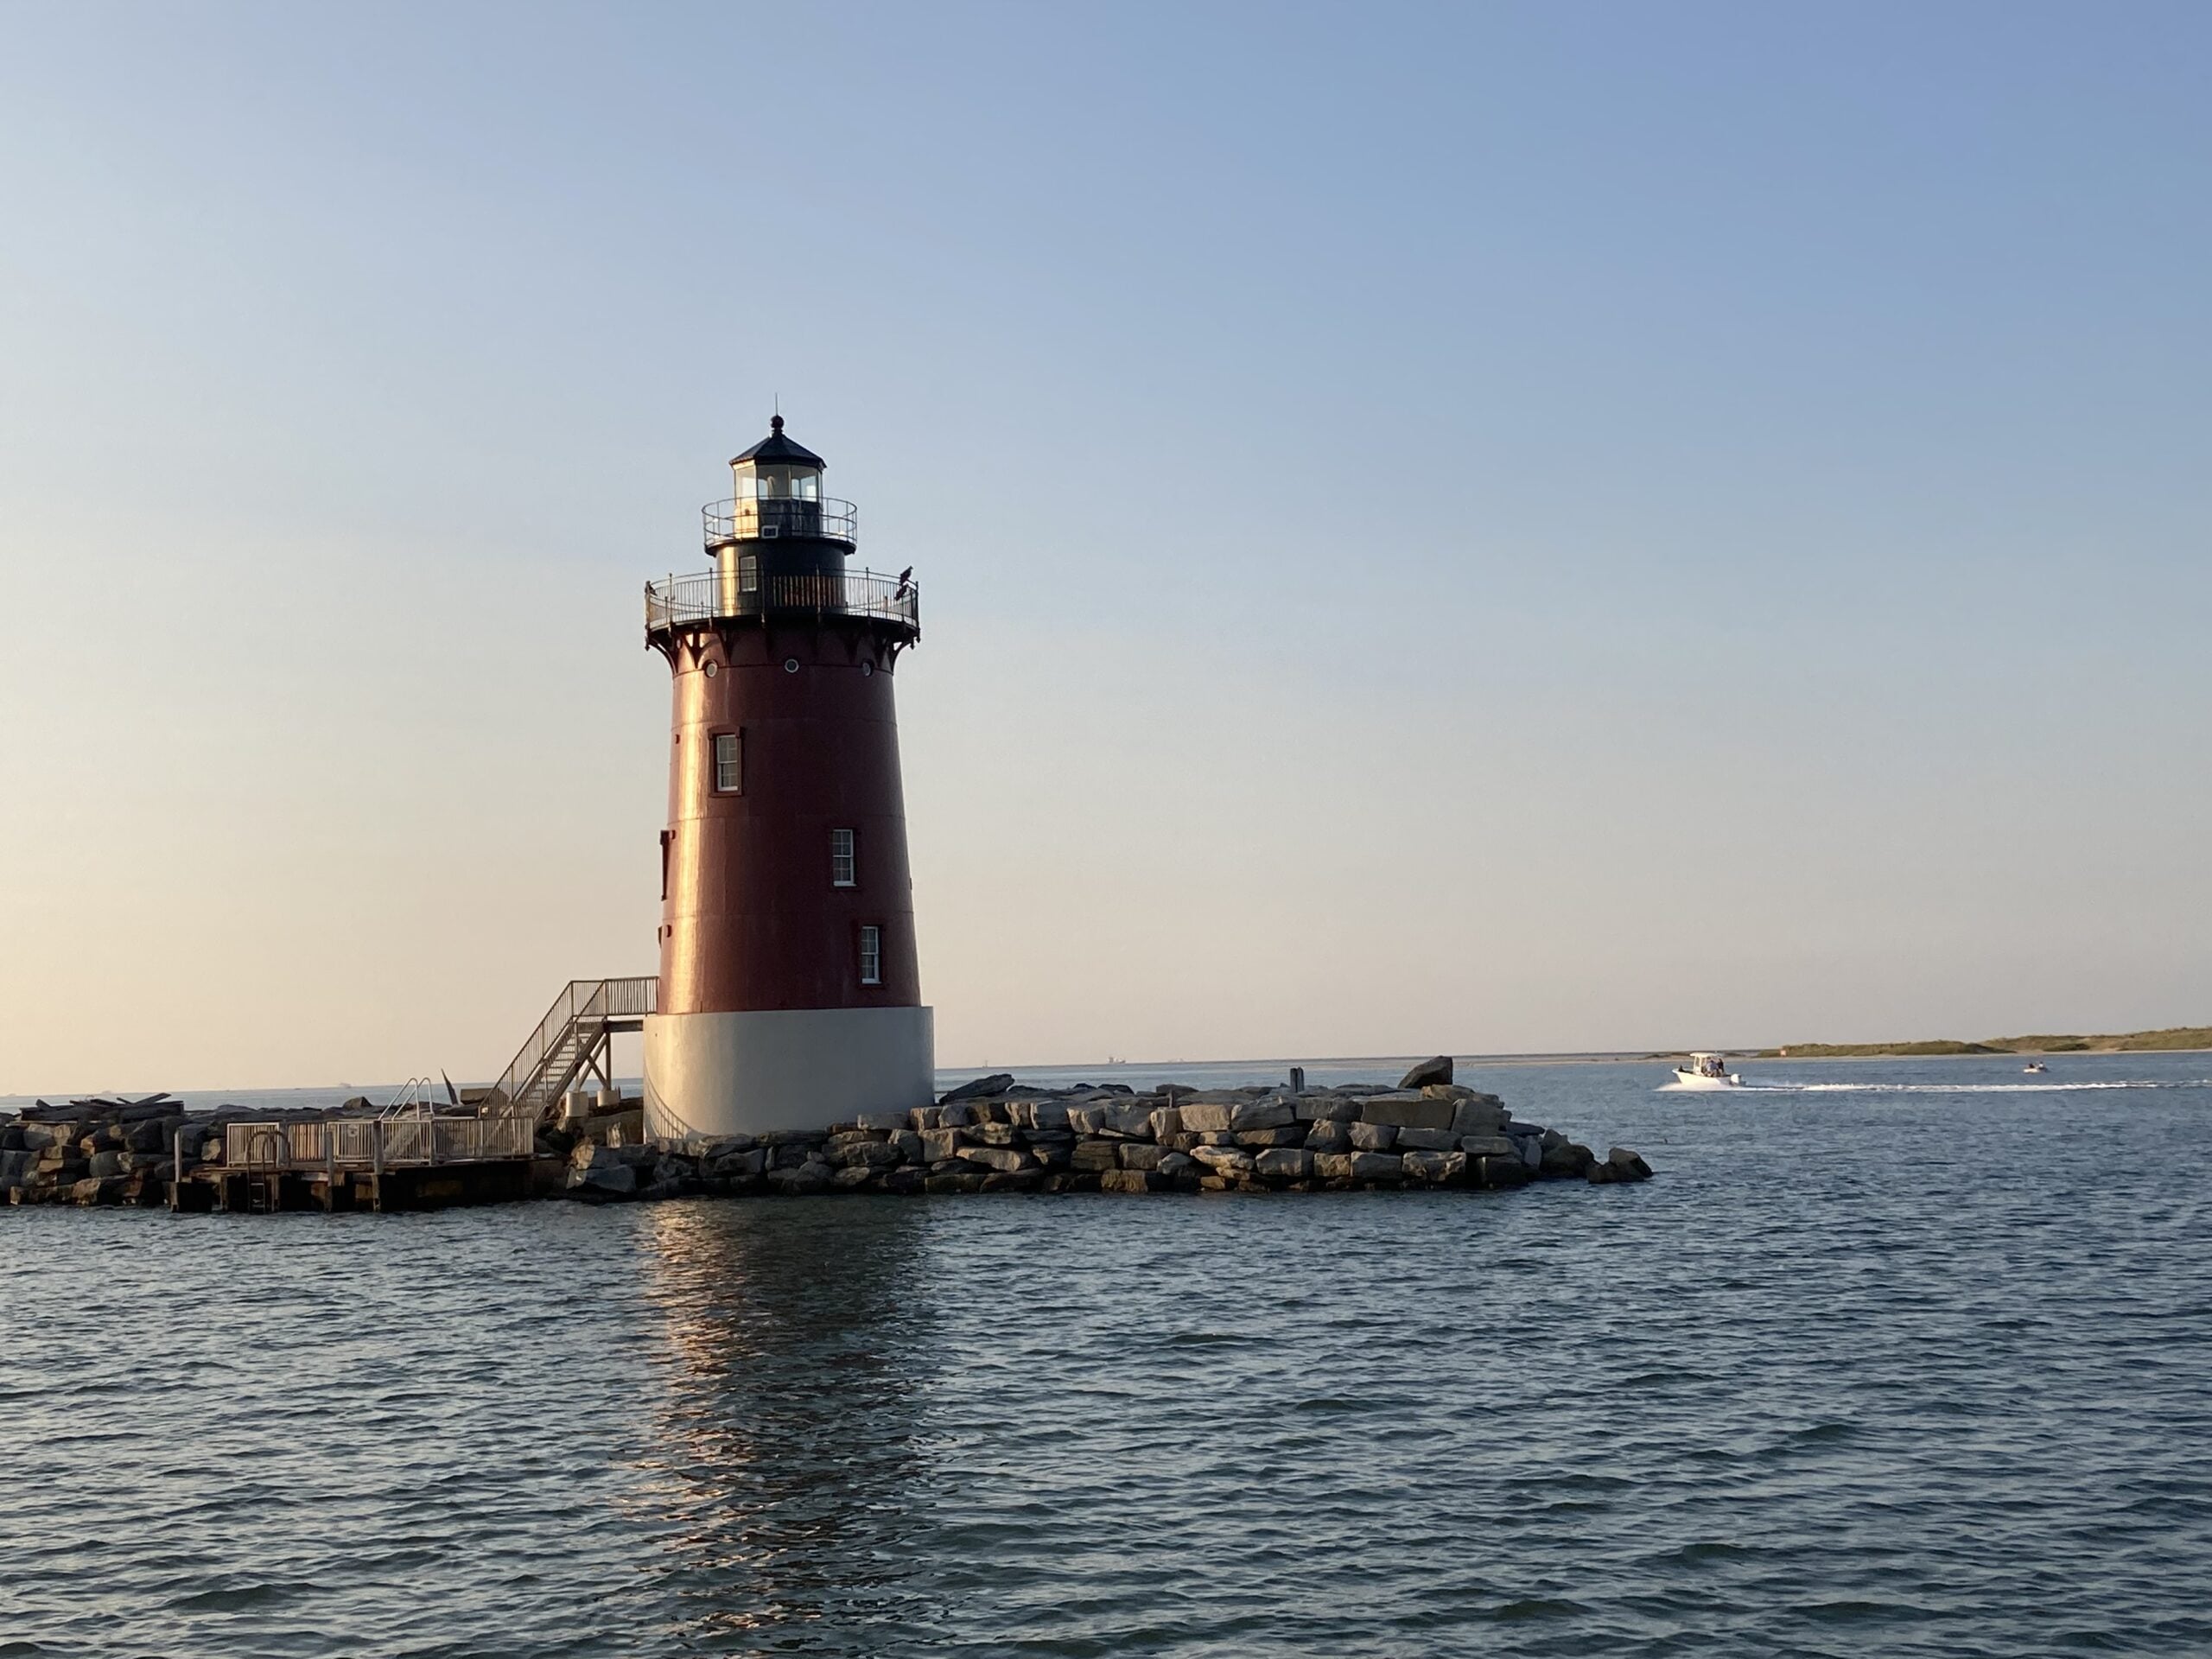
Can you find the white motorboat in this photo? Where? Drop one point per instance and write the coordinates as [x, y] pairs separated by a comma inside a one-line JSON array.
[[1705, 1071], [2034, 1066]]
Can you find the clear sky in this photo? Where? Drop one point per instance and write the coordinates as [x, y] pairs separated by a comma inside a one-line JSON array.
[[1507, 527]]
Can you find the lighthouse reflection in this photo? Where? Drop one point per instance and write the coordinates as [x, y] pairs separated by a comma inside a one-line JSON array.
[[786, 1447]]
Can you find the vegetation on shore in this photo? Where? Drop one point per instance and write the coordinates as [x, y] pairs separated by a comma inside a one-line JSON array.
[[2173, 1037]]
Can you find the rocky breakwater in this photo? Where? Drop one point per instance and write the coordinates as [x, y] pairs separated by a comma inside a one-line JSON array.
[[993, 1135], [98, 1151]]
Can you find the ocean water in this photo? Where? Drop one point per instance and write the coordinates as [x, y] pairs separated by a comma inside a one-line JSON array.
[[1891, 1358]]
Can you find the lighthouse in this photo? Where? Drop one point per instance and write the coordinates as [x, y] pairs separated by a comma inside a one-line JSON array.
[[789, 993]]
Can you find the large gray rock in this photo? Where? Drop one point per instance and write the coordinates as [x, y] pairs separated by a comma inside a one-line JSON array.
[[1335, 1106], [151, 1134], [1093, 1156], [1289, 1135], [1135, 1122], [1500, 1171], [1224, 1161], [1086, 1119], [1141, 1155], [1570, 1160], [794, 1138], [1631, 1167], [809, 1178], [871, 1154], [1371, 1137], [1377, 1167], [1167, 1124], [997, 1083], [610, 1178], [1435, 1070], [1129, 1181], [1488, 1145], [1426, 1140], [1285, 1163], [1262, 1114], [1409, 1112], [1003, 1160], [739, 1166], [1199, 1116], [1328, 1134], [937, 1144], [1435, 1167], [1332, 1165], [1177, 1166], [103, 1165], [1483, 1115]]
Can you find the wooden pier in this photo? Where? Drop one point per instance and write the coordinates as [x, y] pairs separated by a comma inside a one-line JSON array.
[[362, 1163]]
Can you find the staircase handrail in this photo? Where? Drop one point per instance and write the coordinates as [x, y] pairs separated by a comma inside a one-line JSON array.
[[582, 1003]]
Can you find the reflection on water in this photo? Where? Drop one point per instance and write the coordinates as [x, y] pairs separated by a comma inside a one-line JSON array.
[[785, 1451]]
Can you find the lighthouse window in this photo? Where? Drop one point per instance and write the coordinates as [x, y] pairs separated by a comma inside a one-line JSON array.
[[729, 763], [842, 870], [871, 956]]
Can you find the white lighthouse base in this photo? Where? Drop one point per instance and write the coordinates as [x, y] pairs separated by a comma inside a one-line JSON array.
[[715, 1074]]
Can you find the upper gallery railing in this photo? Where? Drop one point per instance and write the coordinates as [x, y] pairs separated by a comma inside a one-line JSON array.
[[758, 519], [678, 602]]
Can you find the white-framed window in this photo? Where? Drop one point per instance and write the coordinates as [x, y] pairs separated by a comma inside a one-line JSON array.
[[729, 763], [871, 956], [748, 572], [844, 864]]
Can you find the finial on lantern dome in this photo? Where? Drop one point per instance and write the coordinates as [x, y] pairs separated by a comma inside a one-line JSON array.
[[775, 423]]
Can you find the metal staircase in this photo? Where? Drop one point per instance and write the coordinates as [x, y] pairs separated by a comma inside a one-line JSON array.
[[572, 1041]]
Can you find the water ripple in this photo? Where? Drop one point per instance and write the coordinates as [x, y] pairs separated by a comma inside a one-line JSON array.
[[1868, 1370]]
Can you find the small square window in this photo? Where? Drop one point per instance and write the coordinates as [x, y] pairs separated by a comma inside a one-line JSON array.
[[844, 867], [729, 763], [871, 956]]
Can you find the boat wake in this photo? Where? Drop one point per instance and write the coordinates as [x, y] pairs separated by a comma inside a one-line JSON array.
[[1749, 1088]]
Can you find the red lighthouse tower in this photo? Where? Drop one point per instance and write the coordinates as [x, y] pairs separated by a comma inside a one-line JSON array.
[[789, 993]]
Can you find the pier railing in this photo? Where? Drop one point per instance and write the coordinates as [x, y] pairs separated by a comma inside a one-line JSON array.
[[376, 1142], [681, 601]]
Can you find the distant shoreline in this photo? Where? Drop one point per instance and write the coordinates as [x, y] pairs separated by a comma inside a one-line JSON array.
[[2180, 1039], [2171, 1040]]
